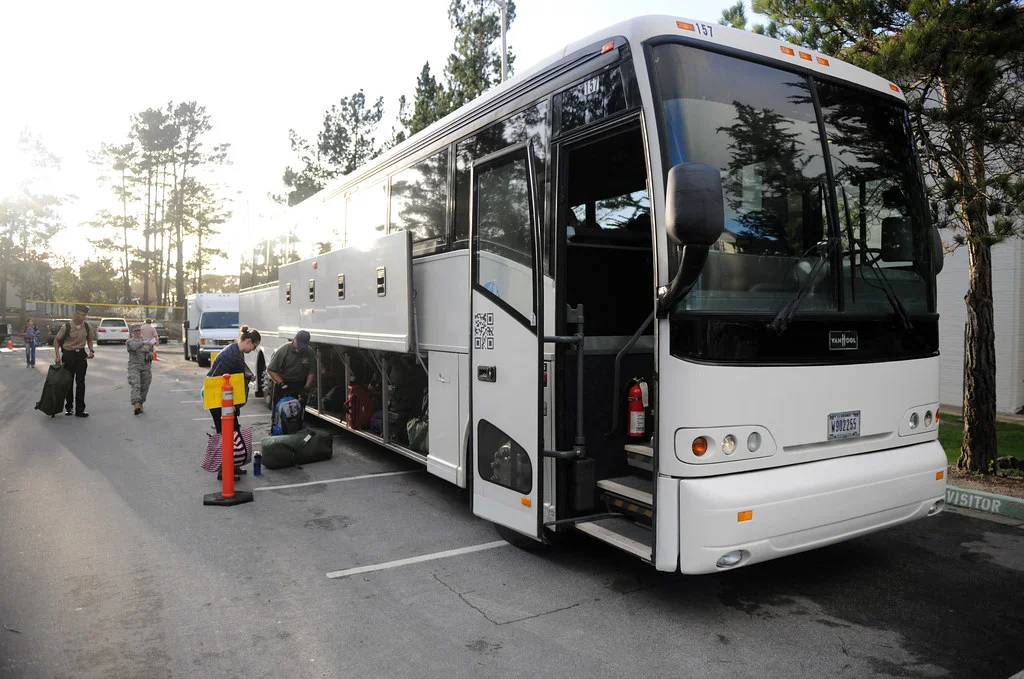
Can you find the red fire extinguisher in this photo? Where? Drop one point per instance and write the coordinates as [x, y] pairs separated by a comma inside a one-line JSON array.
[[636, 401]]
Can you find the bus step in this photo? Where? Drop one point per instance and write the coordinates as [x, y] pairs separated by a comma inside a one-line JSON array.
[[629, 494], [640, 455], [623, 534]]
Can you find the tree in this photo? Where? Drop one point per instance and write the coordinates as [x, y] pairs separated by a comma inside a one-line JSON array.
[[202, 212], [192, 123], [345, 142], [152, 132], [97, 282], [28, 217], [475, 64], [961, 65], [121, 159], [430, 103]]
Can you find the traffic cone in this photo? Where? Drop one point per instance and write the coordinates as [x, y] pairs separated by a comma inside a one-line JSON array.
[[10, 344], [154, 352]]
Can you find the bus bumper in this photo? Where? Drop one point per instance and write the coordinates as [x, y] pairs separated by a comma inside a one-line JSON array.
[[762, 515]]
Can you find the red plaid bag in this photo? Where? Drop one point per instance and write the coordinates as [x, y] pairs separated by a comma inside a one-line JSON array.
[[243, 450]]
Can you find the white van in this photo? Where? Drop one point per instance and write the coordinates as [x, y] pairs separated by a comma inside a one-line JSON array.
[[211, 323]]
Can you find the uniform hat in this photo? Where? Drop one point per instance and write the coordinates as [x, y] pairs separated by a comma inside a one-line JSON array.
[[302, 339], [81, 308], [136, 326]]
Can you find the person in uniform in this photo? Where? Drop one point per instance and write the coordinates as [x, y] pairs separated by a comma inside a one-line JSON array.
[[140, 366], [293, 369], [69, 347]]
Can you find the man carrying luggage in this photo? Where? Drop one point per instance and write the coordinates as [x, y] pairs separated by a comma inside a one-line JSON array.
[[69, 348], [293, 369]]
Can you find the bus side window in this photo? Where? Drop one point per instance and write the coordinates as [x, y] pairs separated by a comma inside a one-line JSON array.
[[531, 122], [419, 201]]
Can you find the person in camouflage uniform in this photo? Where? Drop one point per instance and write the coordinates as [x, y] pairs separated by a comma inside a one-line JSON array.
[[140, 366]]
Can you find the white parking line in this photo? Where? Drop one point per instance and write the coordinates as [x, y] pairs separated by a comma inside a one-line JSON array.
[[417, 559], [190, 401], [196, 389], [341, 480]]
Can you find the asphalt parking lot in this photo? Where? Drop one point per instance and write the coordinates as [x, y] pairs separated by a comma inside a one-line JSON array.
[[365, 565]]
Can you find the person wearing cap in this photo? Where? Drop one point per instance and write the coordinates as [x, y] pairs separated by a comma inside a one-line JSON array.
[[69, 349], [293, 369], [140, 366]]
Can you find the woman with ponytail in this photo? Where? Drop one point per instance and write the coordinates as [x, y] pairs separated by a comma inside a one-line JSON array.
[[232, 361]]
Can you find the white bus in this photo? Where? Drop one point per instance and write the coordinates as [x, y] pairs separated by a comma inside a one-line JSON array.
[[733, 221]]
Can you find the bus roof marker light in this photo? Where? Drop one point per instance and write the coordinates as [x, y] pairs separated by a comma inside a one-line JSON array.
[[745, 516], [822, 60], [608, 46], [940, 475], [685, 25], [787, 50], [700, 446], [805, 56], [893, 88]]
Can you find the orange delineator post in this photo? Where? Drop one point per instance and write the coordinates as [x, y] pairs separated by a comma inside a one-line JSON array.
[[227, 437], [227, 496], [10, 344]]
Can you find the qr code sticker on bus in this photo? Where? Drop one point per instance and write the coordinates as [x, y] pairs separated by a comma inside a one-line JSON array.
[[483, 331]]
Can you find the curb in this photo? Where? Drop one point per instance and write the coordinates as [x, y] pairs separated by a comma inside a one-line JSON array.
[[1002, 505]]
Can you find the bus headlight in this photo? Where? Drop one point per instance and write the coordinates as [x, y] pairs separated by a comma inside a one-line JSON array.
[[914, 420], [928, 419], [729, 444]]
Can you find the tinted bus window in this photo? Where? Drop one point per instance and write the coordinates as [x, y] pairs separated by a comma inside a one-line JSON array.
[[419, 198], [595, 98], [530, 123]]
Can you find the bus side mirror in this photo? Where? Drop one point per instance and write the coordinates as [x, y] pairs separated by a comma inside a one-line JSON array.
[[695, 219], [937, 252], [694, 209]]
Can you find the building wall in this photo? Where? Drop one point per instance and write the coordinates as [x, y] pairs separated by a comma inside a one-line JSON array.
[[1008, 308]]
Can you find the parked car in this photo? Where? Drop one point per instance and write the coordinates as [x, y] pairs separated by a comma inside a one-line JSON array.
[[112, 330], [54, 327], [161, 332]]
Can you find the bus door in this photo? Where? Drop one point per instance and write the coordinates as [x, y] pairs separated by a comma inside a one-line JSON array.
[[506, 343]]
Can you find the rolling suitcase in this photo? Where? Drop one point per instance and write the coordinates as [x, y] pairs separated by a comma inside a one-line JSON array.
[[55, 390]]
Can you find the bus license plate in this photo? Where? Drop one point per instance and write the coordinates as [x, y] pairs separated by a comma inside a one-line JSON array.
[[843, 425]]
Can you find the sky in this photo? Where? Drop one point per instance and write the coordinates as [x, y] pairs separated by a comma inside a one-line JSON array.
[[74, 72]]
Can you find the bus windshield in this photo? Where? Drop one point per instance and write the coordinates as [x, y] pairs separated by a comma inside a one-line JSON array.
[[218, 319], [760, 125]]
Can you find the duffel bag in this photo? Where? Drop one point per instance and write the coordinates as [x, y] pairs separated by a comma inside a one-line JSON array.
[[288, 450]]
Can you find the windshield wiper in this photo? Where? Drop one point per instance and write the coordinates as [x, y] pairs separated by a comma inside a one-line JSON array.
[[890, 294], [781, 320]]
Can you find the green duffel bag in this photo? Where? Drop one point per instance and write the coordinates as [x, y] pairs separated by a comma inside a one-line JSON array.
[[303, 447]]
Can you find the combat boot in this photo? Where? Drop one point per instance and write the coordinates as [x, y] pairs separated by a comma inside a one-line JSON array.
[[138, 407]]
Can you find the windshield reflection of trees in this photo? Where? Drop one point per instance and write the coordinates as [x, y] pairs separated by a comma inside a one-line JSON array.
[[769, 144]]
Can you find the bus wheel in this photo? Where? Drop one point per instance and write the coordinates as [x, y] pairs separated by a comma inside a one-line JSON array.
[[517, 539], [268, 391]]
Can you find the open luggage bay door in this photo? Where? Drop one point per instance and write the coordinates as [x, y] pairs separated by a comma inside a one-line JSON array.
[[505, 372]]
